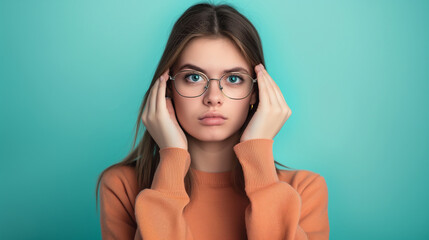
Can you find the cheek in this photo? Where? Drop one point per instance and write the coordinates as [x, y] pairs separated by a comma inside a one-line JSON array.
[[241, 114], [181, 110], [185, 110]]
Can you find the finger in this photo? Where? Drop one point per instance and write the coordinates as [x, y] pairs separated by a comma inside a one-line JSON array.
[[170, 109], [263, 97], [276, 96], [147, 104], [161, 104], [152, 110], [280, 97], [270, 89]]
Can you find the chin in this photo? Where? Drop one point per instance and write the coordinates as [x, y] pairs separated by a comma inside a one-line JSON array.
[[210, 133], [213, 135]]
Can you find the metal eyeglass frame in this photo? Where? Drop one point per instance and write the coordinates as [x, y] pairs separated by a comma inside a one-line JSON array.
[[254, 80]]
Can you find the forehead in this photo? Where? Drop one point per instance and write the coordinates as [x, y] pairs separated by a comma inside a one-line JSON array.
[[214, 55]]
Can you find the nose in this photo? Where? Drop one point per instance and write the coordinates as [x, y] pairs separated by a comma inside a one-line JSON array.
[[213, 94]]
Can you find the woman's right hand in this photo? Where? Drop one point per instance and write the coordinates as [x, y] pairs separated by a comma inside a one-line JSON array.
[[160, 119]]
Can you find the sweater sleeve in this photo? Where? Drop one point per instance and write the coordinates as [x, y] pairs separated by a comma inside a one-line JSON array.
[[116, 209], [159, 209], [276, 210]]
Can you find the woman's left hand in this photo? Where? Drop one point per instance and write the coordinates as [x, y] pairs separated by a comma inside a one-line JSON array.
[[272, 111]]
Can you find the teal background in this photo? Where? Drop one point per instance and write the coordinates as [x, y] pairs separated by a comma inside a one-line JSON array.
[[354, 73]]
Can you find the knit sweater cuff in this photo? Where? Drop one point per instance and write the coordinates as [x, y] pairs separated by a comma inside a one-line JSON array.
[[257, 161], [172, 168]]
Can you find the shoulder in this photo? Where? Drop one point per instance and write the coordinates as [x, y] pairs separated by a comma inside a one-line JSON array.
[[122, 180], [119, 174], [302, 179]]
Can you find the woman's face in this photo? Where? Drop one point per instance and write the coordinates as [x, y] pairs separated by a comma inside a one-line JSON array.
[[213, 55]]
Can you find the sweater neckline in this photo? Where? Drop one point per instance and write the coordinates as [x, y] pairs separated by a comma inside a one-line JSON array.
[[212, 178]]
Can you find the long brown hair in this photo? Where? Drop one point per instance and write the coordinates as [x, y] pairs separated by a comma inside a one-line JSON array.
[[203, 19]]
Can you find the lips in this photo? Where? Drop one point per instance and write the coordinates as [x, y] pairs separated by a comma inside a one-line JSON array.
[[212, 115], [212, 121]]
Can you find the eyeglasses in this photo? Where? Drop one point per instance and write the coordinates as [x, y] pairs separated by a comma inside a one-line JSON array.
[[192, 83]]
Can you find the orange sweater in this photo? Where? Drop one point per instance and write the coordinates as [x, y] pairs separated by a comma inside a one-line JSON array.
[[290, 205]]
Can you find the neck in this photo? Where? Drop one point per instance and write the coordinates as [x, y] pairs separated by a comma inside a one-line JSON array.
[[213, 156]]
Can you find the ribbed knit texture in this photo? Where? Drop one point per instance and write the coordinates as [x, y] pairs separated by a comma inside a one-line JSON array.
[[169, 177], [290, 204], [261, 171], [219, 179]]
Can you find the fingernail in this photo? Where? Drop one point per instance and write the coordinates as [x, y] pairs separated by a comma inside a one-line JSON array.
[[161, 79]]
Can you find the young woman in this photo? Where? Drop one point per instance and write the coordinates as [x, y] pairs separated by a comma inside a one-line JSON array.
[[205, 168]]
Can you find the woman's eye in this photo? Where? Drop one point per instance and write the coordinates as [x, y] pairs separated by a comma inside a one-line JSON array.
[[234, 79], [193, 77]]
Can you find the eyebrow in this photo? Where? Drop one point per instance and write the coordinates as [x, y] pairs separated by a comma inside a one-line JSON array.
[[191, 66]]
